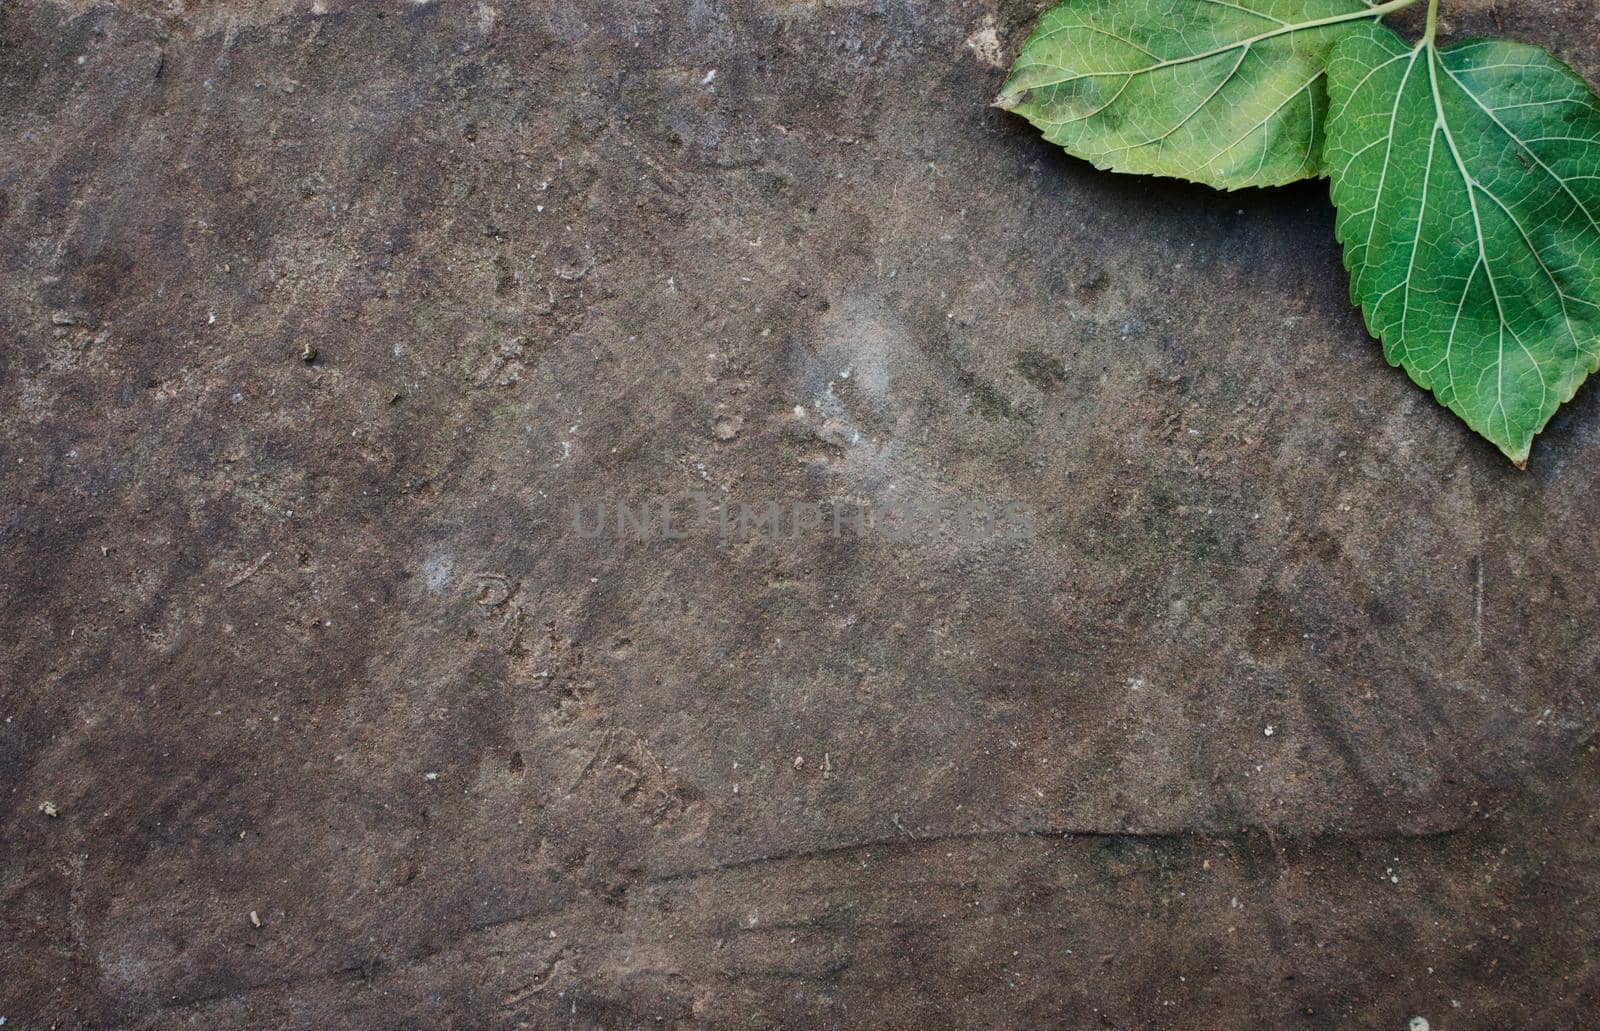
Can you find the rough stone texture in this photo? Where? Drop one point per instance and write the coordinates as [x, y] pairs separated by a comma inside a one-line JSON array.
[[318, 640]]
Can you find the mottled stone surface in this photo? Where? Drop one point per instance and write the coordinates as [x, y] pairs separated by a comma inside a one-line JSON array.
[[1272, 704]]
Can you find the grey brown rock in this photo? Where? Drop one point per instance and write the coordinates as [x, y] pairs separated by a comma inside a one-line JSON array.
[[465, 763]]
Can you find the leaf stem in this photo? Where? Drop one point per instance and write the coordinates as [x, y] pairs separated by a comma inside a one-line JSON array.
[[1388, 8], [1433, 23]]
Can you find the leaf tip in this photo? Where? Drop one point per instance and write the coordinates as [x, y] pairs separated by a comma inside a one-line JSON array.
[[1008, 101]]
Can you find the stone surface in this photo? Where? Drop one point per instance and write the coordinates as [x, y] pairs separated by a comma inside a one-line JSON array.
[[1269, 701]]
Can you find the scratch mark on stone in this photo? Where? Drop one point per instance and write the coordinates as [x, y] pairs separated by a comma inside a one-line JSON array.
[[1066, 833], [605, 739], [255, 567], [1479, 638]]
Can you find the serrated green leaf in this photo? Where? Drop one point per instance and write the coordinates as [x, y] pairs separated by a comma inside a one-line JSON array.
[[1467, 182], [1229, 93]]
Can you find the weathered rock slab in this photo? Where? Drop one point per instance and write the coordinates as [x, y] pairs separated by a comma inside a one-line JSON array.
[[1157, 655]]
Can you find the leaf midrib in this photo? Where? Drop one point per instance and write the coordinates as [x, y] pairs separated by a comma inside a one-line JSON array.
[[1442, 124], [1286, 28]]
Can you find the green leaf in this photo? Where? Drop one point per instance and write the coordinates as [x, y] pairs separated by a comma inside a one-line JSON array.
[[1467, 182], [1229, 93]]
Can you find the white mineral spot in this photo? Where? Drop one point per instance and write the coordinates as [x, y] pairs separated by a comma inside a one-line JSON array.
[[436, 572], [1418, 1024], [985, 44]]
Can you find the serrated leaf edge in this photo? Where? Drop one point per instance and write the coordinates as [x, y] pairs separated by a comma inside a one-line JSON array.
[[1391, 338]]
